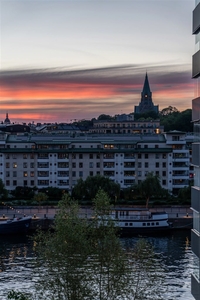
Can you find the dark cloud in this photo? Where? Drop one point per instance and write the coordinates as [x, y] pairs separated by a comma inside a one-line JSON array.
[[124, 75]]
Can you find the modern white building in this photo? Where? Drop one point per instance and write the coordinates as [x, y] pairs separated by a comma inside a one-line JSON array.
[[44, 160], [195, 236]]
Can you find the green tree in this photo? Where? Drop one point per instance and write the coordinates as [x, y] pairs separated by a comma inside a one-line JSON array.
[[87, 190], [150, 187], [3, 191], [14, 295], [85, 260], [40, 197], [104, 117]]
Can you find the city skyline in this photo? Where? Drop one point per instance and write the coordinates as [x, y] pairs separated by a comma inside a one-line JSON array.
[[65, 60]]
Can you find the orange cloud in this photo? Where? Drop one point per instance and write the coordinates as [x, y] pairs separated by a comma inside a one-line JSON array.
[[61, 96]]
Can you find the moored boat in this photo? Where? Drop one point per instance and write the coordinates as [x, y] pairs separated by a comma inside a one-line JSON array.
[[15, 225], [138, 221]]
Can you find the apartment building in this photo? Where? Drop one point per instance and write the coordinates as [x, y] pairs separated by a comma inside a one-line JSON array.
[[195, 235], [126, 127], [44, 160]]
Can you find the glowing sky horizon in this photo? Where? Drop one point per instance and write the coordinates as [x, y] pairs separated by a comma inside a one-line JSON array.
[[66, 60]]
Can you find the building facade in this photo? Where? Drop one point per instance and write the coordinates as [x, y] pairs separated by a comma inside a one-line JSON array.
[[44, 160], [127, 127], [195, 236]]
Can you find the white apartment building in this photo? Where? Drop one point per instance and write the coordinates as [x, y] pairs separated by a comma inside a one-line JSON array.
[[44, 160]]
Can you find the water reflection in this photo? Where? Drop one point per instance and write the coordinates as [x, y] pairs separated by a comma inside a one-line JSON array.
[[173, 252]]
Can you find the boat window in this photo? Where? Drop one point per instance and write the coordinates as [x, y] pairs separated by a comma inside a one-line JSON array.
[[157, 223], [130, 224], [152, 224], [126, 224], [148, 224], [143, 224]]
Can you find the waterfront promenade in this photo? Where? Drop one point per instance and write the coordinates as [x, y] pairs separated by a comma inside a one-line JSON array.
[[175, 212]]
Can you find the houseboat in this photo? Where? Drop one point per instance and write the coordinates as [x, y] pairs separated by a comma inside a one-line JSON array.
[[140, 221]]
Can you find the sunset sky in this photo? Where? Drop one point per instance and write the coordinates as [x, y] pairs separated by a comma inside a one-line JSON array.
[[66, 60]]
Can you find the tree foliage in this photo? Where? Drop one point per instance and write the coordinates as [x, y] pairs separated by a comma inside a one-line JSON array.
[[85, 260], [3, 191], [87, 190], [150, 187], [172, 119]]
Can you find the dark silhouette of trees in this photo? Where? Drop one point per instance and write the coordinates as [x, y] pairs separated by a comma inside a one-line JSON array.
[[172, 119]]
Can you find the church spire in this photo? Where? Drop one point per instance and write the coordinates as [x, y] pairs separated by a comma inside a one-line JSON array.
[[146, 87], [146, 103]]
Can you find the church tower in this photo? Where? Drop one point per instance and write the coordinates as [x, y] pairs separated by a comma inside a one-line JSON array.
[[146, 103]]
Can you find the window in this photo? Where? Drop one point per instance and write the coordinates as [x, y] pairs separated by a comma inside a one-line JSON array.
[[63, 173], [146, 156], [25, 165], [164, 164], [156, 146], [32, 156], [91, 164], [32, 165], [164, 182], [139, 173], [25, 182], [98, 165], [157, 165], [7, 156], [157, 173], [164, 173], [7, 182], [32, 174], [80, 173], [25, 155], [43, 165], [63, 155], [90, 156], [146, 165], [157, 156], [164, 156], [73, 165], [63, 165], [91, 173], [80, 165], [7, 165], [43, 155], [73, 173], [139, 155], [7, 174], [145, 146], [98, 156], [43, 182], [80, 156], [43, 173], [14, 182], [14, 156], [14, 165], [73, 156], [14, 173], [25, 174], [139, 165]]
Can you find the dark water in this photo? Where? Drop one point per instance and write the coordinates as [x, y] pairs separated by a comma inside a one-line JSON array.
[[16, 264]]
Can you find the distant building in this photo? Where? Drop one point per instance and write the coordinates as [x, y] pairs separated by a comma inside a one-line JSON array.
[[7, 120], [195, 236], [60, 160], [146, 103], [127, 127]]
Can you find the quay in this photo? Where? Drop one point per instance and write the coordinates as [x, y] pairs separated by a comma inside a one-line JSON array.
[[180, 217]]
